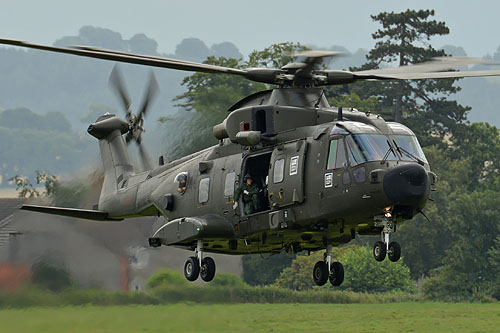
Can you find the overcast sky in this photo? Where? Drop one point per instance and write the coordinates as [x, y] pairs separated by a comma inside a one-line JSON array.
[[248, 24]]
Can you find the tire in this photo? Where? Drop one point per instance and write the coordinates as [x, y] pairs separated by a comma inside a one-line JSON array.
[[207, 269], [394, 251], [379, 251], [320, 273], [336, 274], [192, 269]]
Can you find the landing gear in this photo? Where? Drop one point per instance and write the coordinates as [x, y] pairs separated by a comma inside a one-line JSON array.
[[384, 247], [199, 266], [336, 274], [207, 269], [326, 270], [191, 269], [379, 251], [320, 273], [394, 252]]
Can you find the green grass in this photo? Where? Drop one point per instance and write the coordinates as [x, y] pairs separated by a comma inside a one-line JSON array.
[[392, 317]]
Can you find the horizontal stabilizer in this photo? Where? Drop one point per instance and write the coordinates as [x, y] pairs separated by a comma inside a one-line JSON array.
[[88, 214]]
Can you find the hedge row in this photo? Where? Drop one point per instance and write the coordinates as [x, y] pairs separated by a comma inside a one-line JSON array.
[[166, 295]]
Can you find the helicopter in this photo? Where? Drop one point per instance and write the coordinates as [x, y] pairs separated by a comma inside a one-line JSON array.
[[320, 175]]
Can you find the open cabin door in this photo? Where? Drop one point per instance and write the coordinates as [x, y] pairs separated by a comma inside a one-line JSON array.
[[286, 176]]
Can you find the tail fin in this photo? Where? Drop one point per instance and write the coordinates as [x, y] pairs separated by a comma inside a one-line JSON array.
[[115, 158]]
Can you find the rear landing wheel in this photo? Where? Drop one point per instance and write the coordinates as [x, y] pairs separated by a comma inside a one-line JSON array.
[[379, 251], [207, 269], [192, 269], [336, 274], [320, 273]]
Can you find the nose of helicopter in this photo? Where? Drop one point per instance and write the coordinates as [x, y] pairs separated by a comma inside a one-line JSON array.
[[407, 185]]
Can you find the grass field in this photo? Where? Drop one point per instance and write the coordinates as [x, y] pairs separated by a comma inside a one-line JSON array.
[[393, 317]]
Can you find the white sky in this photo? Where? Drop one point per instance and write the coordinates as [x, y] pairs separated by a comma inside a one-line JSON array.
[[249, 25]]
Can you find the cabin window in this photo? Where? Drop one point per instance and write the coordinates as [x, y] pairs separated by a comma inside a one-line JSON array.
[[182, 180], [229, 184], [336, 155], [279, 170], [204, 190]]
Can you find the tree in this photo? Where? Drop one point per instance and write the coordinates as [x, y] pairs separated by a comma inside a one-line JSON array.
[[260, 270], [362, 272], [26, 188], [471, 262], [423, 104]]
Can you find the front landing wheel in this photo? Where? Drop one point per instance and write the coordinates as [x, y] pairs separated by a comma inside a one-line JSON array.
[[192, 269], [320, 273], [394, 251], [336, 274]]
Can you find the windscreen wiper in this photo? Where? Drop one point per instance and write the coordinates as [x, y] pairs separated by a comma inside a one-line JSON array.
[[407, 153], [386, 156]]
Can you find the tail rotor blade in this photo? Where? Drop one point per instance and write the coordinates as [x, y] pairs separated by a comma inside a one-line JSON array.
[[149, 95], [146, 161], [118, 85]]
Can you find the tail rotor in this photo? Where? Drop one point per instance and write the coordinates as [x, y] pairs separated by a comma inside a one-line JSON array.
[[135, 121]]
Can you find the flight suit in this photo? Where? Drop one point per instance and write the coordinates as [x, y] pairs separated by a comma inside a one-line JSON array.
[[249, 194]]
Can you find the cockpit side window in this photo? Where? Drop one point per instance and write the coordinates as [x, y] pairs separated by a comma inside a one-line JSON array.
[[336, 155], [332, 153], [182, 181], [341, 160]]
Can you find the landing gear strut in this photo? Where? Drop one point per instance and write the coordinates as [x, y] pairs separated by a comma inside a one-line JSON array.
[[327, 270], [385, 247], [199, 266]]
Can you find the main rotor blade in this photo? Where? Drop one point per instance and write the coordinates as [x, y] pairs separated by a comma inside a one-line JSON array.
[[149, 95], [117, 83], [438, 75], [438, 64], [131, 58]]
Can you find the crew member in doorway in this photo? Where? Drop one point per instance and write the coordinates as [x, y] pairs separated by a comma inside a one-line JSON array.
[[249, 192]]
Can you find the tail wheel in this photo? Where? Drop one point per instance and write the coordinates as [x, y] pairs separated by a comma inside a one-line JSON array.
[[336, 274], [192, 269], [394, 251], [320, 273], [379, 251], [207, 269]]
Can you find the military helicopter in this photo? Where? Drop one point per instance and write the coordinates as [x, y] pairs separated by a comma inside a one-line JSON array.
[[323, 174]]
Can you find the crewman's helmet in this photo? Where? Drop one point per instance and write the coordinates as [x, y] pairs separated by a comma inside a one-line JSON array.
[[247, 176]]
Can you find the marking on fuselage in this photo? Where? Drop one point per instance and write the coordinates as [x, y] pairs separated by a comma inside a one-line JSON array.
[[328, 180], [294, 165]]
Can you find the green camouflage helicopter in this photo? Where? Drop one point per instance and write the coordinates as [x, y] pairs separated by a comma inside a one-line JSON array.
[[306, 176]]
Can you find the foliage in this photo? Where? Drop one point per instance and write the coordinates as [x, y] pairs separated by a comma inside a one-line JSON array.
[[166, 278], [362, 272], [49, 276], [263, 270], [227, 281], [22, 118], [26, 188], [36, 297], [470, 262], [353, 100]]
